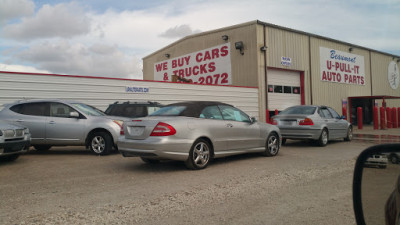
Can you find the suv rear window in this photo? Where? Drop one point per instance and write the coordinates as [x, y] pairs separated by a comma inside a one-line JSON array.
[[33, 109], [127, 111], [132, 109]]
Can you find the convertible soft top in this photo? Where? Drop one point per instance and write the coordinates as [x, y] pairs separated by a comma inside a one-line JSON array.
[[194, 108]]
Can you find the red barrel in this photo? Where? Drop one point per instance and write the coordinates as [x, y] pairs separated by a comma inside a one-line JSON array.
[[375, 115], [382, 116], [398, 117], [359, 118], [389, 117], [394, 117], [344, 112]]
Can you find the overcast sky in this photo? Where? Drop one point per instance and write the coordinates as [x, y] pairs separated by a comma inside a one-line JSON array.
[[110, 38]]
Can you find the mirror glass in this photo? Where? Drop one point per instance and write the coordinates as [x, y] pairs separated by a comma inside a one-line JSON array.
[[380, 188]]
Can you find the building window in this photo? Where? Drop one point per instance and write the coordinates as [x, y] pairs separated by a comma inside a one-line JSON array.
[[270, 88], [296, 90], [287, 89], [277, 89]]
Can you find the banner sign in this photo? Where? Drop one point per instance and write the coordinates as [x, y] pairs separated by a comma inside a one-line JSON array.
[[341, 67], [208, 66]]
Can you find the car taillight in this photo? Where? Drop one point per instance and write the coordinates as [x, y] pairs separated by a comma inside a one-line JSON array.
[[163, 129], [121, 128], [306, 121], [274, 122]]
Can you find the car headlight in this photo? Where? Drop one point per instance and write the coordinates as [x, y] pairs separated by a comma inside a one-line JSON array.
[[1, 133]]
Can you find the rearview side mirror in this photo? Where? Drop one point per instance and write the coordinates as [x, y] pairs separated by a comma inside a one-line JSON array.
[[376, 185], [253, 119]]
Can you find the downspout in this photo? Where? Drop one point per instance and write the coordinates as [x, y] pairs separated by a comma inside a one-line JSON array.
[[266, 73], [310, 67], [370, 72]]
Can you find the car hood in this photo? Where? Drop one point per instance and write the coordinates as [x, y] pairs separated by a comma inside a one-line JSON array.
[[5, 125]]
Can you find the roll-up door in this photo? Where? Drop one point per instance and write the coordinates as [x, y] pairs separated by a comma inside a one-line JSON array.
[[283, 89]]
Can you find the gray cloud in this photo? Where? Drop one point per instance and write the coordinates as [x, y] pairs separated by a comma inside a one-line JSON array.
[[97, 60], [11, 9], [179, 31], [62, 20]]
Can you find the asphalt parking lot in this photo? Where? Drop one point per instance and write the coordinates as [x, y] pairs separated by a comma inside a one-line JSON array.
[[304, 184]]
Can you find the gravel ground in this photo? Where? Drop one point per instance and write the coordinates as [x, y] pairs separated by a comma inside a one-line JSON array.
[[302, 185]]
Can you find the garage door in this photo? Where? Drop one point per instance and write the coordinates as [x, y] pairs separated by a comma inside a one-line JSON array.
[[283, 89]]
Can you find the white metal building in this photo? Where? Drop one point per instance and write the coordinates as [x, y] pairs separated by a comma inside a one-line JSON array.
[[100, 92]]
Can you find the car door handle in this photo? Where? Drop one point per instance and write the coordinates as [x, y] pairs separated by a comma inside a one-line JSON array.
[[52, 122], [20, 120], [229, 125]]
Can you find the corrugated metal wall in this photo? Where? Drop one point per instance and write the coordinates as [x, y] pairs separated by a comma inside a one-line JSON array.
[[380, 64], [379, 67], [244, 67], [282, 43], [101, 92], [302, 48]]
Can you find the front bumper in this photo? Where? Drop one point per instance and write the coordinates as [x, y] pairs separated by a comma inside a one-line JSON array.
[[14, 147], [156, 148]]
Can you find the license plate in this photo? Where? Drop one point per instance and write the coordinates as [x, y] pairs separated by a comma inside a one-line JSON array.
[[136, 131], [287, 123]]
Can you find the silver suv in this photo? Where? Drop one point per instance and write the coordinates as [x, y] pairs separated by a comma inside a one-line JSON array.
[[63, 123]]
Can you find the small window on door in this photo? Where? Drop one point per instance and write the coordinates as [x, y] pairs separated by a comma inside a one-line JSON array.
[[287, 89], [277, 89], [271, 88], [296, 90]]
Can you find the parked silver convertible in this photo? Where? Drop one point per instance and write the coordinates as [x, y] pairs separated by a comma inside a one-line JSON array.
[[62, 123], [195, 132], [320, 123]]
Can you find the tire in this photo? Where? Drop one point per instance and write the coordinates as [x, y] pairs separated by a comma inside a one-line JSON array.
[[272, 145], [394, 159], [283, 141], [150, 161], [199, 155], [323, 139], [42, 147], [100, 143], [10, 158], [349, 136]]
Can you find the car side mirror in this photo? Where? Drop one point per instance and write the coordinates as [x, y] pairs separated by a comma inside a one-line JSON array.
[[343, 117], [376, 185], [253, 119], [74, 114]]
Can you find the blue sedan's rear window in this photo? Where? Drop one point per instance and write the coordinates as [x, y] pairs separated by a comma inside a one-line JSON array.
[[302, 110], [174, 110]]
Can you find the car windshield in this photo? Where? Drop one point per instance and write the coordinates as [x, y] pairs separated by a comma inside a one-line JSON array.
[[302, 110], [88, 110], [174, 110]]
